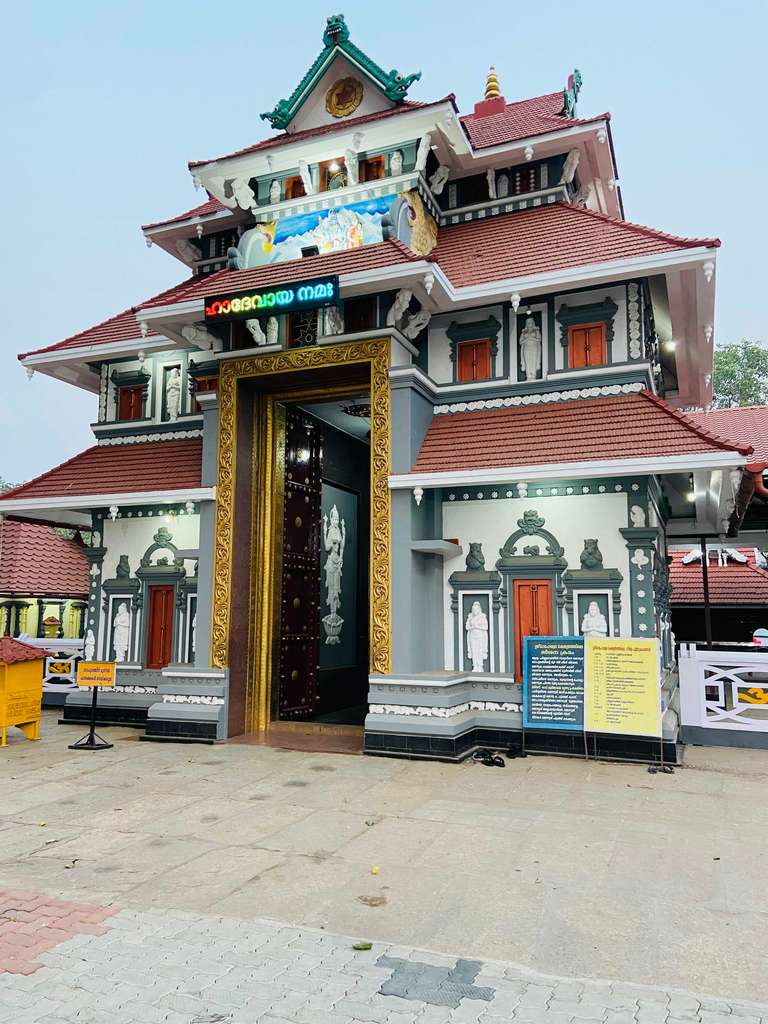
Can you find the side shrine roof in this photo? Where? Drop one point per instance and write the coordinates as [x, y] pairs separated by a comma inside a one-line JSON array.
[[746, 425], [523, 119], [13, 651], [35, 560], [119, 469], [615, 427], [730, 584], [545, 238]]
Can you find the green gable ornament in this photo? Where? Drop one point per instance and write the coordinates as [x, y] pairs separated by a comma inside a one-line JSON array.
[[571, 94]]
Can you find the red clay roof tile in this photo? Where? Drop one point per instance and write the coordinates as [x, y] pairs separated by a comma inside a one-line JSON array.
[[748, 425], [211, 205], [542, 239], [35, 560], [523, 119], [119, 469], [615, 427], [13, 651], [734, 583]]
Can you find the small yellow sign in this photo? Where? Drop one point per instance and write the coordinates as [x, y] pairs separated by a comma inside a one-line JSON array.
[[622, 691], [96, 673]]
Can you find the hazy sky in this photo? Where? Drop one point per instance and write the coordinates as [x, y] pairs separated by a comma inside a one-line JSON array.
[[103, 103]]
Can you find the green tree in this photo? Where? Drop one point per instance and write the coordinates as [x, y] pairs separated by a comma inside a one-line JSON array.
[[741, 375], [5, 486]]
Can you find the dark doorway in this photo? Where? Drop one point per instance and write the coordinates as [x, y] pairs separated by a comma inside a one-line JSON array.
[[321, 669], [160, 626]]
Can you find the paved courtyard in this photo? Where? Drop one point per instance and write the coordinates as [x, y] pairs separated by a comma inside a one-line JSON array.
[[203, 881]]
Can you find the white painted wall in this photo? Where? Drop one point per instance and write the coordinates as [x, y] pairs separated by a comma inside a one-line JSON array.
[[313, 113], [571, 519]]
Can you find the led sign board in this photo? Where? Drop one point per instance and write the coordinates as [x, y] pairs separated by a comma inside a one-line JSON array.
[[283, 298]]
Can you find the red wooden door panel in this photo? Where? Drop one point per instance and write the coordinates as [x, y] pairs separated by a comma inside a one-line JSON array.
[[587, 346], [533, 614], [160, 626], [474, 360]]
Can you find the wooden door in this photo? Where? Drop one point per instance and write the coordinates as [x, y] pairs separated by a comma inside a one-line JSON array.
[[160, 626], [474, 360], [533, 615], [298, 663], [587, 346]]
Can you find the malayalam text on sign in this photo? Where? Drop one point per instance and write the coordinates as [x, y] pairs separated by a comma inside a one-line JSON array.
[[96, 673], [553, 683], [622, 692]]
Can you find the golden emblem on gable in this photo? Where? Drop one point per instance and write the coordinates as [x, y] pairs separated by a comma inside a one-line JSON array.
[[344, 97]]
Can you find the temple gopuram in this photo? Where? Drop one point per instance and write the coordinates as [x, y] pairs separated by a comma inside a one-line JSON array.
[[419, 395]]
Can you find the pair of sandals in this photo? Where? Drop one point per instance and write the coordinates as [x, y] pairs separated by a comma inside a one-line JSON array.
[[489, 759]]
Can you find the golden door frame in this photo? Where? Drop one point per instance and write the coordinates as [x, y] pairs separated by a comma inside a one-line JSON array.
[[232, 371]]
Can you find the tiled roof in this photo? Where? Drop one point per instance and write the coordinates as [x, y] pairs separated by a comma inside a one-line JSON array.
[[35, 560], [542, 239], [347, 261], [749, 425], [324, 129], [212, 205], [119, 469], [616, 427], [734, 583], [521, 120], [12, 651], [122, 327]]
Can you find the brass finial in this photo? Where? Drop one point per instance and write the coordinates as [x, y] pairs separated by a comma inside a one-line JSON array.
[[492, 89]]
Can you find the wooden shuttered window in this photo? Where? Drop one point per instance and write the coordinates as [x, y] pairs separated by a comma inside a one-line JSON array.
[[473, 360], [130, 402], [587, 345]]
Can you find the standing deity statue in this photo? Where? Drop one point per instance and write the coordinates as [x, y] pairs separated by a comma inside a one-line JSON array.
[[273, 328], [306, 178], [396, 163], [173, 394], [89, 646], [491, 176], [502, 186], [594, 622], [121, 632], [425, 144], [334, 539], [274, 191], [530, 349], [334, 320], [351, 162], [477, 637]]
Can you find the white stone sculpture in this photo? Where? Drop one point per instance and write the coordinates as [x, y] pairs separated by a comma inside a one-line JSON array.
[[243, 194], [477, 637], [334, 321], [594, 622], [438, 179], [173, 394], [194, 633], [256, 331], [273, 330], [637, 516], [416, 323], [396, 163], [569, 167], [274, 191], [334, 539], [639, 558], [425, 144], [530, 349], [502, 186], [398, 307], [491, 176], [581, 199], [306, 178], [121, 632], [353, 169], [201, 337], [89, 647], [188, 252]]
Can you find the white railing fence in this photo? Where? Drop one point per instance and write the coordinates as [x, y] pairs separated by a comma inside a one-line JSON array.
[[59, 669], [723, 689]]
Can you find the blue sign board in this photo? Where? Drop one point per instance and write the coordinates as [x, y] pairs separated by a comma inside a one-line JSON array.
[[553, 683]]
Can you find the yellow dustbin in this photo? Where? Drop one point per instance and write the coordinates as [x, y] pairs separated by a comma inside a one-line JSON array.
[[21, 687]]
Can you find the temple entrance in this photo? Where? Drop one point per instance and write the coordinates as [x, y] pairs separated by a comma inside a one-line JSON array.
[[160, 626], [533, 615], [322, 539]]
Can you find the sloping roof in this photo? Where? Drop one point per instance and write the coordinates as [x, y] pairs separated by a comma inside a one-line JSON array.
[[748, 425], [35, 560], [545, 238], [324, 129], [347, 261], [211, 205], [734, 583], [615, 427], [122, 327], [119, 469], [522, 119], [13, 651]]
